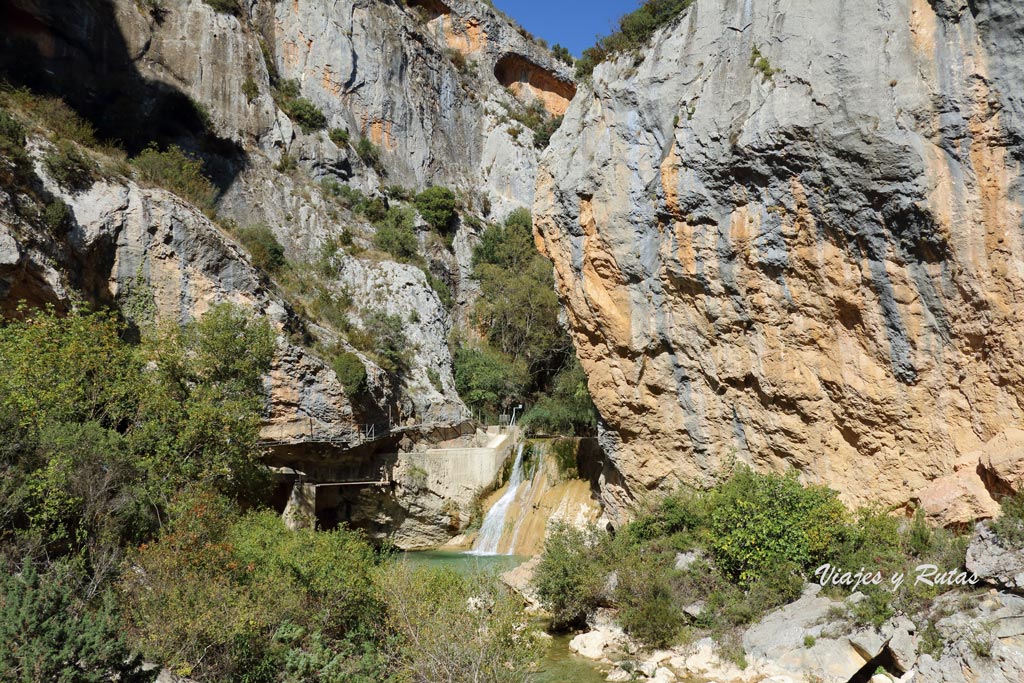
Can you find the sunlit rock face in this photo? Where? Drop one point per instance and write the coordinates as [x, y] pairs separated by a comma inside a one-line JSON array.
[[791, 237]]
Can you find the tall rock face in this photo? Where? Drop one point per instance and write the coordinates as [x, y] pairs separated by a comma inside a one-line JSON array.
[[792, 236], [433, 85], [426, 83]]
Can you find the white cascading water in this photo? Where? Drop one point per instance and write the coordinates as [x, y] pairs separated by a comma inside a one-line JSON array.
[[494, 523]]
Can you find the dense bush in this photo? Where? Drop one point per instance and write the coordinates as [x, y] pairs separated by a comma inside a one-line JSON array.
[[760, 522], [260, 241], [567, 407], [487, 380], [339, 136], [50, 633], [757, 538], [648, 609], [518, 306], [396, 235], [306, 114], [174, 170], [369, 153], [562, 54], [570, 579], [437, 206], [634, 31], [351, 372], [16, 167], [223, 596], [457, 627], [1010, 526], [57, 217]]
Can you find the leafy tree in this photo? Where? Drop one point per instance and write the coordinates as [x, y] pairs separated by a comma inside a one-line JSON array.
[[437, 206], [49, 634], [201, 411], [510, 245], [369, 153], [567, 408], [488, 380], [761, 522]]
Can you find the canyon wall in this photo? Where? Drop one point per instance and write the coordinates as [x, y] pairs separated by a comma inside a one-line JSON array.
[[790, 235], [416, 79]]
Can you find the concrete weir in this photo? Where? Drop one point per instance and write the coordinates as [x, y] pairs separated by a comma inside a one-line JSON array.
[[383, 491]]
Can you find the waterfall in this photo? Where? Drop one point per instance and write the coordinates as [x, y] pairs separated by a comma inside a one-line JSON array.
[[494, 523]]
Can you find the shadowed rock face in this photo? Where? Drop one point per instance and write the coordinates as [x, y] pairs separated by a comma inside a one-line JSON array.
[[793, 238]]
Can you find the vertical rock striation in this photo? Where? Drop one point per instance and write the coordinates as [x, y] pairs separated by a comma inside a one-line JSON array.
[[791, 236]]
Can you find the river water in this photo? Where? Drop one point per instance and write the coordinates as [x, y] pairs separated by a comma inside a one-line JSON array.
[[559, 664]]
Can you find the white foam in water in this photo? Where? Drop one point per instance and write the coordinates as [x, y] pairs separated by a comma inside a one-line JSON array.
[[494, 523]]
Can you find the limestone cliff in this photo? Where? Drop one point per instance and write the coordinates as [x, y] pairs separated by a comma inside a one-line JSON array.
[[421, 80], [790, 235]]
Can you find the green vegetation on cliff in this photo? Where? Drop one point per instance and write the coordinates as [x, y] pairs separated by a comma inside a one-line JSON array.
[[634, 31], [751, 543], [526, 355]]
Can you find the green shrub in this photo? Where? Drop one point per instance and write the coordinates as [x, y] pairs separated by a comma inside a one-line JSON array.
[[260, 241], [369, 153], [435, 380], [309, 117], [441, 288], [70, 167], [634, 31], [679, 513], [760, 522], [250, 89], [440, 634], [339, 136], [564, 451], [49, 633], [57, 217], [761, 64], [562, 54], [396, 235], [12, 146], [647, 607], [383, 335], [437, 206], [351, 372], [174, 170], [567, 409], [486, 379], [570, 580], [218, 593]]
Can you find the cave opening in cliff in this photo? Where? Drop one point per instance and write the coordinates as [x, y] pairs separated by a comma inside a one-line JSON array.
[[530, 81]]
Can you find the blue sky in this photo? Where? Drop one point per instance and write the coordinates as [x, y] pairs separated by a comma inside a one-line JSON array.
[[573, 23]]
